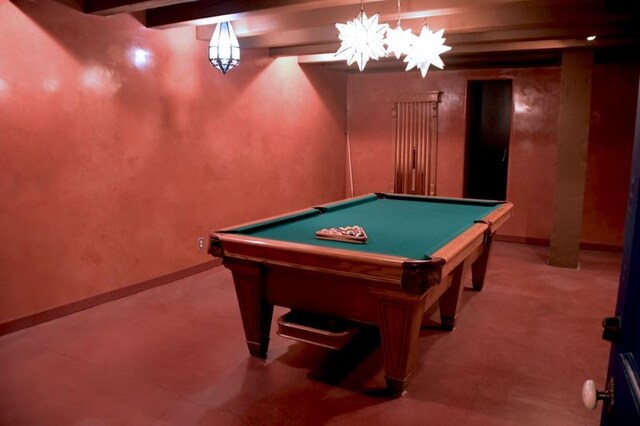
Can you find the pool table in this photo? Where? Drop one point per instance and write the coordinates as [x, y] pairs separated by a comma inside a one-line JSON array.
[[416, 254]]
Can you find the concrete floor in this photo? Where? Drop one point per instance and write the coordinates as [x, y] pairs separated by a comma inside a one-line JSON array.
[[175, 355]]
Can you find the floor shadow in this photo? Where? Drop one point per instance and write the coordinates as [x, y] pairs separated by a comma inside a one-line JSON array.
[[337, 365], [353, 367]]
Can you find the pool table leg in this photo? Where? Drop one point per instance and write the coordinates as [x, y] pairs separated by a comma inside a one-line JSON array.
[[255, 311], [450, 299], [399, 319], [479, 267]]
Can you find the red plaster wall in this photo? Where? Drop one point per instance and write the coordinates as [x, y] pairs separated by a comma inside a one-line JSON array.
[[533, 149], [613, 108], [110, 172]]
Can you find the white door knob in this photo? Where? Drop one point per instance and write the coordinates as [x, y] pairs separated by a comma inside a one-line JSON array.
[[591, 395]]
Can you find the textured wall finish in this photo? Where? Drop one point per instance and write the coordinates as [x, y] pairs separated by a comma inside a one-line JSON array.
[[613, 107], [532, 145], [119, 146]]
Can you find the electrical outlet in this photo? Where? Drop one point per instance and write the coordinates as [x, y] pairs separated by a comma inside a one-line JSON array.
[[200, 243]]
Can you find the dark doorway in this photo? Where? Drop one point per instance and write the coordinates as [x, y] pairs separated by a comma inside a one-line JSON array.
[[488, 127]]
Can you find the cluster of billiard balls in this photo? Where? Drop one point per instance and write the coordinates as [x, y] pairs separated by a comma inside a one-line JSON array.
[[350, 231]]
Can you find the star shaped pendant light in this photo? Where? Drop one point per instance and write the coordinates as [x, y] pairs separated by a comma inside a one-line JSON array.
[[426, 50], [399, 41], [361, 39]]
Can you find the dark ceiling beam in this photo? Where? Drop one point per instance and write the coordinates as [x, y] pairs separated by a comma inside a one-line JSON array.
[[210, 11], [112, 7], [228, 10]]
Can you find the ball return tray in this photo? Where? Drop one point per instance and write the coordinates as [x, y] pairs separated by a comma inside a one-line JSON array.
[[317, 329]]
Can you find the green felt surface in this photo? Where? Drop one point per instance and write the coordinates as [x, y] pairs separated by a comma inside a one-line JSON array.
[[414, 227]]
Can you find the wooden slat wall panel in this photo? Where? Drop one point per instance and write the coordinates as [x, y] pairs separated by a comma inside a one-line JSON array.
[[416, 134]]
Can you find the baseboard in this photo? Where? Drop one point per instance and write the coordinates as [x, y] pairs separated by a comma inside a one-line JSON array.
[[80, 305], [601, 247], [522, 240], [546, 242]]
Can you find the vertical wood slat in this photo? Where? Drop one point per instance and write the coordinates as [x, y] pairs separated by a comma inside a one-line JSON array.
[[423, 140], [417, 118], [406, 169], [405, 151], [417, 142], [397, 179], [426, 107], [433, 149], [400, 167], [401, 146], [415, 147], [415, 134]]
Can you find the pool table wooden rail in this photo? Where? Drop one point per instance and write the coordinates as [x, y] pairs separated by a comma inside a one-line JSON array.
[[474, 242], [414, 276]]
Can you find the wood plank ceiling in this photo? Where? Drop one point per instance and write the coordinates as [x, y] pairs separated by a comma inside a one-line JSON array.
[[482, 33]]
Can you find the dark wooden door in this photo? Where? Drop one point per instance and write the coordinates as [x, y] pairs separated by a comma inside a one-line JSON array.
[[624, 406], [489, 106]]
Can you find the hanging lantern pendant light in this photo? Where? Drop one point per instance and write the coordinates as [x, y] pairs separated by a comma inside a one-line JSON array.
[[224, 50]]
